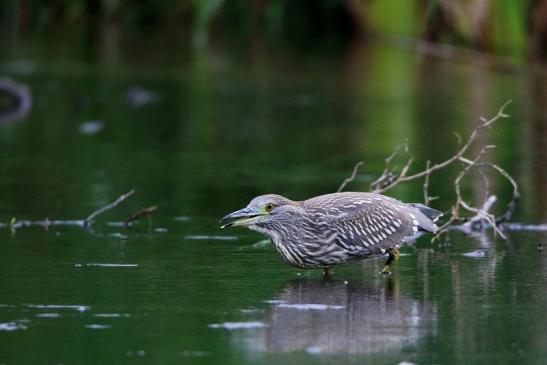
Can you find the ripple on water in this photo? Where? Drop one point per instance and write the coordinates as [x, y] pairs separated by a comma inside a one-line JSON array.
[[119, 235], [475, 254], [48, 315], [205, 237], [12, 326], [79, 308], [238, 325], [111, 315], [194, 353], [95, 326], [98, 264], [319, 307]]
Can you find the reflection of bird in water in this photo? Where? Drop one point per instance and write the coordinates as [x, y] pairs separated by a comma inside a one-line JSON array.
[[336, 228], [333, 317]]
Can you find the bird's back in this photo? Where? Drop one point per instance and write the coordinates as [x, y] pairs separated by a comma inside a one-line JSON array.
[[369, 223]]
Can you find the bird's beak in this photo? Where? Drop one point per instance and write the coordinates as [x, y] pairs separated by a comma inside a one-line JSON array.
[[243, 217]]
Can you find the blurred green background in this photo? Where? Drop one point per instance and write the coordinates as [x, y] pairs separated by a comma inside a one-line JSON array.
[[515, 29]]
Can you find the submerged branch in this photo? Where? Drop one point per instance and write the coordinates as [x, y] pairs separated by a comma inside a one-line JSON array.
[[144, 212], [46, 223]]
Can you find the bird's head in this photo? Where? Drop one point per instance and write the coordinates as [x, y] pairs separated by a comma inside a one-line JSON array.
[[263, 213]]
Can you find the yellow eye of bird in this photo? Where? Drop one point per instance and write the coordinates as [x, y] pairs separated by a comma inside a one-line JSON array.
[[268, 207]]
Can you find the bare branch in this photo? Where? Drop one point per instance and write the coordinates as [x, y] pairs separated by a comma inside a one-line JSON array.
[[114, 204], [46, 223], [396, 179], [463, 149], [351, 177], [426, 184], [387, 177]]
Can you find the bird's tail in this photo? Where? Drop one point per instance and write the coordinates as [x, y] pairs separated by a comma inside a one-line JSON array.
[[430, 213]]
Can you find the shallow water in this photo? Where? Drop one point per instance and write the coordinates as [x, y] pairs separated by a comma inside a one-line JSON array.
[[198, 137]]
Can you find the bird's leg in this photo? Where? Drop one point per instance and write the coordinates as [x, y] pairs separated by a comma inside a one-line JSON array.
[[393, 257], [327, 272]]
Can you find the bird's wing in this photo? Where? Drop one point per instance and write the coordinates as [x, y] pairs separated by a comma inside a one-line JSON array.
[[366, 224]]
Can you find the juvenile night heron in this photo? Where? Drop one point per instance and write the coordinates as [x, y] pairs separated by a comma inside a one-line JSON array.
[[335, 228]]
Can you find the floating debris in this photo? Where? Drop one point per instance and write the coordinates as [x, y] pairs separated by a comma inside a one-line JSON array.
[[204, 237], [475, 254], [92, 127], [98, 326], [237, 325]]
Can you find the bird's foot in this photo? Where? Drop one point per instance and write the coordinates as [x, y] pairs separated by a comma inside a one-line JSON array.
[[395, 253], [393, 258], [328, 273], [386, 270]]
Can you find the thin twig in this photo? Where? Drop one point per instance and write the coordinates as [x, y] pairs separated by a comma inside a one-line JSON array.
[[426, 184], [114, 204], [461, 203], [351, 177], [386, 178]]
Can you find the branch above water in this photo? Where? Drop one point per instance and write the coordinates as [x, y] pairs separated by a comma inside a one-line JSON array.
[[482, 216]]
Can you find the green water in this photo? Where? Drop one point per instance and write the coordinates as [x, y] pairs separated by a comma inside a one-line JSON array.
[[225, 125]]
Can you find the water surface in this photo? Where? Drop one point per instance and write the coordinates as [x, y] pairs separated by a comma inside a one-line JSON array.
[[199, 136]]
